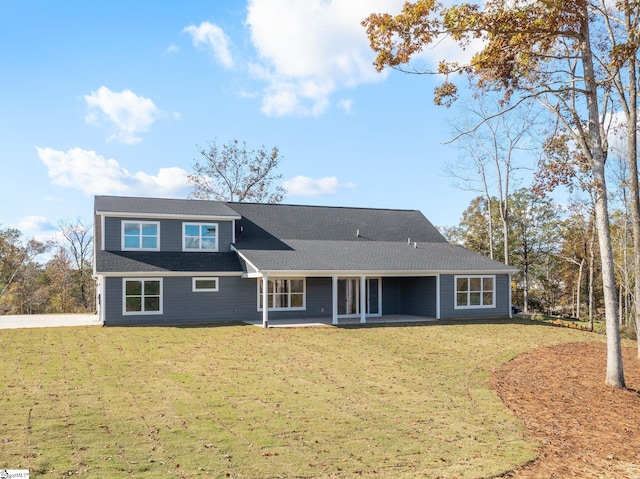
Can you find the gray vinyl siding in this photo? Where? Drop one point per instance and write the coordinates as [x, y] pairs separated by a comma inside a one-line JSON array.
[[414, 296], [447, 299], [319, 303], [97, 232], [391, 296], [419, 296], [235, 300], [170, 233]]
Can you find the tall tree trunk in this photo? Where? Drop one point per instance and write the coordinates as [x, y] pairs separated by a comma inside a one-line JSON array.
[[579, 288], [490, 221], [634, 190], [592, 259], [615, 373], [504, 216]]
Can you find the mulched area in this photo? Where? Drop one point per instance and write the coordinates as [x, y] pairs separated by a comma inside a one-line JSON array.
[[584, 428]]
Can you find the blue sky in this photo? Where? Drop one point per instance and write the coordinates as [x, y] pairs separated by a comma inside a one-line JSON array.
[[114, 97]]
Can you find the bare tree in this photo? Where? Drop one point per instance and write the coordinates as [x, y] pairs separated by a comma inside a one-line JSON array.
[[492, 142], [77, 242], [234, 173]]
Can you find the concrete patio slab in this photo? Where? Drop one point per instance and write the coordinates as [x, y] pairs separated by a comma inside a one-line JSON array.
[[301, 323]]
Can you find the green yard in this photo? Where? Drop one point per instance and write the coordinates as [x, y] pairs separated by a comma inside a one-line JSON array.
[[244, 402]]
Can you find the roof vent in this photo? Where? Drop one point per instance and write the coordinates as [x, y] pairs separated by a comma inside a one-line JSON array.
[[415, 244], [358, 233], [409, 241]]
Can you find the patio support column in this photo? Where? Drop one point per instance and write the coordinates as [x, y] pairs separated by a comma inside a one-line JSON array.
[[363, 299], [265, 300], [334, 300], [438, 296]]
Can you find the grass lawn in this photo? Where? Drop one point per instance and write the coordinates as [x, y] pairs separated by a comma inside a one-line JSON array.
[[244, 402]]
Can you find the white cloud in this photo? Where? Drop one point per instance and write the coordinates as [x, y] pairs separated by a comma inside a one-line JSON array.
[[94, 175], [212, 36], [34, 224], [308, 49], [129, 113], [173, 49], [38, 228], [346, 105], [305, 186]]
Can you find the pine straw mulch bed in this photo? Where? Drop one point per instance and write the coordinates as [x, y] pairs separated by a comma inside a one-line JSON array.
[[584, 428]]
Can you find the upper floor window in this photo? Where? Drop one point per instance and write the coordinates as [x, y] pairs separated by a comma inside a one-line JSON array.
[[200, 237], [475, 291], [140, 235]]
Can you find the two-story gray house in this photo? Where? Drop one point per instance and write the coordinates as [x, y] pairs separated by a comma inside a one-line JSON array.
[[168, 261]]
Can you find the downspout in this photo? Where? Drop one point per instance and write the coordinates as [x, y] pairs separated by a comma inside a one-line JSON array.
[[363, 299], [438, 296], [510, 299], [265, 300], [334, 300]]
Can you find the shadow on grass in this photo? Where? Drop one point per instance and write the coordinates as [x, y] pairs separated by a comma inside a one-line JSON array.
[[522, 321], [494, 320], [196, 325]]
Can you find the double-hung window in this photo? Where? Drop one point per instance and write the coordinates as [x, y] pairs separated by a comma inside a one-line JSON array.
[[140, 235], [474, 291], [199, 237], [142, 296], [283, 294]]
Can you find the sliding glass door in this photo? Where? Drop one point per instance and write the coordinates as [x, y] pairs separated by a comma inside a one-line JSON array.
[[349, 296]]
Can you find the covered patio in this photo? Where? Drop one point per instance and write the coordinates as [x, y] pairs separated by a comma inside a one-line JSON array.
[[328, 321]]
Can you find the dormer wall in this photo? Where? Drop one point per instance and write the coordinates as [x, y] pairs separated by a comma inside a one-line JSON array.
[[170, 231]]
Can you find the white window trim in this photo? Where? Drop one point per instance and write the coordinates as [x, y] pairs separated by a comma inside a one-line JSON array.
[[468, 277], [204, 278], [140, 222], [193, 250], [124, 297], [304, 295]]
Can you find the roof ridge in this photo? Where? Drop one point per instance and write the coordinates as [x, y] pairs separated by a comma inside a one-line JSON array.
[[127, 197], [230, 203]]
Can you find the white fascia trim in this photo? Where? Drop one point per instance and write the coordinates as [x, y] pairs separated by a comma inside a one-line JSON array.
[[341, 273], [358, 273], [164, 274], [233, 231], [477, 272], [166, 216], [246, 260]]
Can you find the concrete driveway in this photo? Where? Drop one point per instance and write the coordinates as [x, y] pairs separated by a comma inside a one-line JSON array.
[[48, 320]]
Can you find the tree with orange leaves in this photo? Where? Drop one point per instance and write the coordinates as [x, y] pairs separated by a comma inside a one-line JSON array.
[[540, 49]]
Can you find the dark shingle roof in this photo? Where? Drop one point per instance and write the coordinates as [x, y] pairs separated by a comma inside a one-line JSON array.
[[381, 256], [260, 221], [162, 206], [324, 239], [157, 261], [299, 238]]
